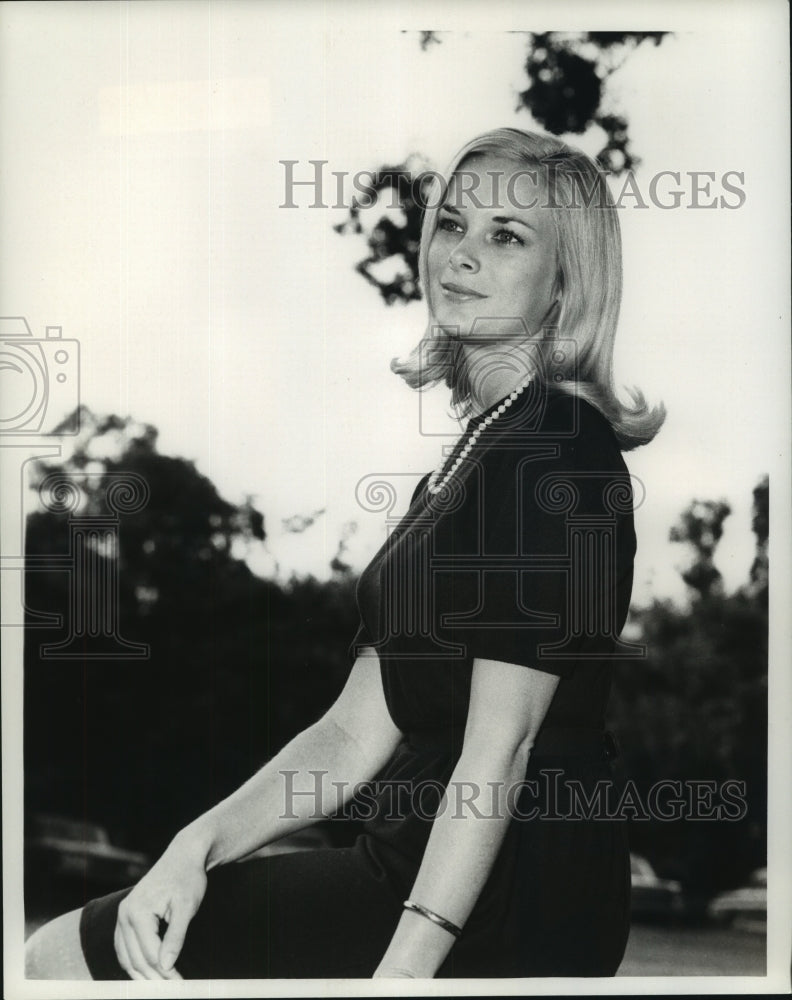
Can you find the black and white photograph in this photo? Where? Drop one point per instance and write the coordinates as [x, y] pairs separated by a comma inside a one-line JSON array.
[[396, 512]]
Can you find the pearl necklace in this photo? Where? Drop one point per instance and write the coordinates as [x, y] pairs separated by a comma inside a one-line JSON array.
[[435, 487]]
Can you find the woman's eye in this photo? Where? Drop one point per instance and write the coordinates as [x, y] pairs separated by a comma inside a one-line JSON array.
[[507, 236], [448, 225]]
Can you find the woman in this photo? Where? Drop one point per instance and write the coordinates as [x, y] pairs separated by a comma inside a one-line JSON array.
[[481, 669]]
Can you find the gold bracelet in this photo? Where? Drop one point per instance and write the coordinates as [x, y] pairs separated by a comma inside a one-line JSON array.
[[434, 917]]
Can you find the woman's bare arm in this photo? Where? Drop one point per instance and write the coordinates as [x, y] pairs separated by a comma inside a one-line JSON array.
[[352, 741], [507, 706]]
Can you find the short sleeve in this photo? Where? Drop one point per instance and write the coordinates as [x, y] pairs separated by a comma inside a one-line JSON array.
[[542, 548], [362, 638]]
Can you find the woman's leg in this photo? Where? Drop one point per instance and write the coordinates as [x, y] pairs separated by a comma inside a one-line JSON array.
[[326, 913], [54, 950]]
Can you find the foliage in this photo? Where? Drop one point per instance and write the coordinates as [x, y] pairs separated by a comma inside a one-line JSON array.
[[760, 524], [238, 664], [404, 185], [696, 707], [568, 74], [701, 526]]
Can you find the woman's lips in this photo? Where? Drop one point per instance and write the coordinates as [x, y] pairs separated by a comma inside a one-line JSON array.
[[459, 293]]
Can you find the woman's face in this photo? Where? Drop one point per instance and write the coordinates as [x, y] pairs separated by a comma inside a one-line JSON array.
[[492, 262]]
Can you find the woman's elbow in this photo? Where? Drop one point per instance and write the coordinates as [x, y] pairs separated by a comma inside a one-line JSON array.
[[497, 753]]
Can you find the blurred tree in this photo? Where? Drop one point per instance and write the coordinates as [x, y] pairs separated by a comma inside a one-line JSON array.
[[429, 38], [393, 241], [696, 708], [701, 526], [568, 73], [760, 524], [238, 664], [338, 563]]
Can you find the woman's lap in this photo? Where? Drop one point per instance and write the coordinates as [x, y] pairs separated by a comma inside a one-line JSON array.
[[560, 907], [314, 914]]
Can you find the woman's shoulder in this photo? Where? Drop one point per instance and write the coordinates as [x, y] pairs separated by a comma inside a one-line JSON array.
[[552, 433], [576, 445], [565, 416]]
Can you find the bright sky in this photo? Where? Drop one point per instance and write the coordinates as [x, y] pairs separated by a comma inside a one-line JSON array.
[[141, 193]]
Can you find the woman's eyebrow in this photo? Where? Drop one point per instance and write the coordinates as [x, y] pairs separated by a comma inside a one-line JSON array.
[[511, 218], [500, 219]]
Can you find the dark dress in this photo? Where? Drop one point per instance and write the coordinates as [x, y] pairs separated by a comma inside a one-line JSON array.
[[525, 558]]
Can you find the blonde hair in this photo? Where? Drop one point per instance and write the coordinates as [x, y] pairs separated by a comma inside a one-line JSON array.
[[589, 278]]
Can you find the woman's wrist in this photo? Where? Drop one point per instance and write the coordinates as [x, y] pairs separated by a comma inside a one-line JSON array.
[[196, 841], [418, 948]]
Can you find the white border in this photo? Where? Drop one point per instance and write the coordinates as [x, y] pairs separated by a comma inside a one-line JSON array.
[[498, 16]]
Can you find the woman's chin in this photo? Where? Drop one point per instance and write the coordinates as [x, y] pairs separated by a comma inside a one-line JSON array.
[[455, 327]]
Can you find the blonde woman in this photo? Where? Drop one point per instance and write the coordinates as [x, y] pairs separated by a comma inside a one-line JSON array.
[[490, 619]]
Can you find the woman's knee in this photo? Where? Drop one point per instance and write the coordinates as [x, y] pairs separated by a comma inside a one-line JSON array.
[[54, 950]]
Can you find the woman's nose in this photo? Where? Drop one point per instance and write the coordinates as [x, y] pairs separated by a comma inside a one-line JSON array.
[[463, 258]]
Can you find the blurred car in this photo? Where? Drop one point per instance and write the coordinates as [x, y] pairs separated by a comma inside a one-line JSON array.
[[744, 907], [653, 897], [58, 847]]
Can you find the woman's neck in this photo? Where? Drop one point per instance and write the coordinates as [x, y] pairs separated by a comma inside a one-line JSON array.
[[493, 374]]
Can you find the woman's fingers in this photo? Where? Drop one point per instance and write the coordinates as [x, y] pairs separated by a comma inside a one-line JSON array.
[[170, 949], [139, 935], [122, 954], [171, 891], [145, 925], [138, 959]]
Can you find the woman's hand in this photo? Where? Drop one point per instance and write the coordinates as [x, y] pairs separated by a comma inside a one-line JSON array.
[[172, 891]]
